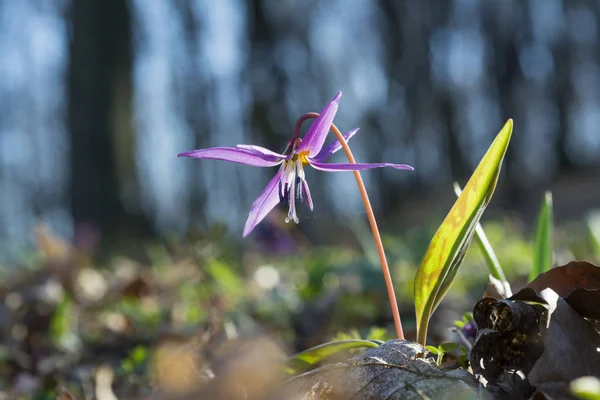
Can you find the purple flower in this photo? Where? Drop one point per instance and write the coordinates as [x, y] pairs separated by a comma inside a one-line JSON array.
[[289, 183]]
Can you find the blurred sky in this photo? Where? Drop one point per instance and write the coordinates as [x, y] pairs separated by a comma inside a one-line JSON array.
[[401, 66]]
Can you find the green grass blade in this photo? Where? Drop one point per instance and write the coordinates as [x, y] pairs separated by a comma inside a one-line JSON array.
[[452, 239], [302, 361], [542, 251], [486, 248]]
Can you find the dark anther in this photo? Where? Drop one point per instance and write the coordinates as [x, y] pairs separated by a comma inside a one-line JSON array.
[[284, 196], [281, 196]]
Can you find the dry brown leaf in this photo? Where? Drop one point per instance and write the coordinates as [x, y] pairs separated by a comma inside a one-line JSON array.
[[497, 289], [393, 371], [246, 368], [586, 302], [570, 349], [564, 279], [52, 247], [176, 366], [65, 395]]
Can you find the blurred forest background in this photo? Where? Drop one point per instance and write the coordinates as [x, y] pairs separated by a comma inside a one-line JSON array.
[[97, 98], [124, 250]]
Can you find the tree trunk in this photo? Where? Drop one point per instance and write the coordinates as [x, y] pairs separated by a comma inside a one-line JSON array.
[[99, 101]]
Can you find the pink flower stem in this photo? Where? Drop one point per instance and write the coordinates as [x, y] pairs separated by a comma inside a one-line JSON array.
[[365, 197]]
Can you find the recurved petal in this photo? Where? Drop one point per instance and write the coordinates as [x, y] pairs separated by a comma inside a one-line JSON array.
[[236, 155], [330, 167], [315, 137], [334, 146], [267, 200], [261, 150]]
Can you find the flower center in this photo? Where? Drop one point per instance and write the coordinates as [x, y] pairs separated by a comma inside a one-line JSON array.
[[291, 186], [302, 156]]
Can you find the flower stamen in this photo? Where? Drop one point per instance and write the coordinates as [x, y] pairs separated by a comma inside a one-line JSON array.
[[299, 189]]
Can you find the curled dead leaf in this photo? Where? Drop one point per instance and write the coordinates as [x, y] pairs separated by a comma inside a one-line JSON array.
[[509, 336], [539, 336]]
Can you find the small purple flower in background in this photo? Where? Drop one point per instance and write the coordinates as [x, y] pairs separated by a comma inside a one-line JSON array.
[[289, 183], [470, 330]]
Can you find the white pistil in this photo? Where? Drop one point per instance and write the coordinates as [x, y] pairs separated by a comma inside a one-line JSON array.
[[300, 170]]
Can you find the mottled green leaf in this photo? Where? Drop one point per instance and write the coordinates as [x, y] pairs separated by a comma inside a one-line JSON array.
[[302, 361], [451, 241], [486, 248], [542, 254]]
